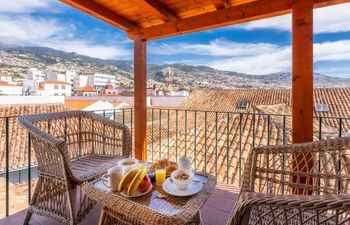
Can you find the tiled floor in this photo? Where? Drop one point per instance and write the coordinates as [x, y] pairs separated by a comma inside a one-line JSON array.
[[214, 212]]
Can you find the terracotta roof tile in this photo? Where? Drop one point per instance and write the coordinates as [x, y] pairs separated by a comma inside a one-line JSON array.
[[85, 89], [54, 82], [78, 104], [18, 136], [5, 75], [7, 84]]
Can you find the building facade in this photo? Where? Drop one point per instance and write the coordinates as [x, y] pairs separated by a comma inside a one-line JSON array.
[[35, 74], [55, 88], [101, 80]]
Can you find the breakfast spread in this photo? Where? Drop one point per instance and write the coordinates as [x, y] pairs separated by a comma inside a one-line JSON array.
[[136, 179], [166, 164]]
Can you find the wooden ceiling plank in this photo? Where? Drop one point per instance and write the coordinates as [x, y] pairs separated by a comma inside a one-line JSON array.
[[157, 8], [103, 13], [219, 18], [228, 16]]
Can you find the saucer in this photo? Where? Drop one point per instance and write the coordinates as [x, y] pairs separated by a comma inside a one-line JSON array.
[[170, 187]]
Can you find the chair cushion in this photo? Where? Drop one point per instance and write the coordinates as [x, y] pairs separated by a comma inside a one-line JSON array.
[[88, 167]]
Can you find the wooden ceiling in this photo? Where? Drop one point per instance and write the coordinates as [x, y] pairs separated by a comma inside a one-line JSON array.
[[155, 19]]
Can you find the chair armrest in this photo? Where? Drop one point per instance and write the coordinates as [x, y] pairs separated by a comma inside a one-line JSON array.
[[259, 206]]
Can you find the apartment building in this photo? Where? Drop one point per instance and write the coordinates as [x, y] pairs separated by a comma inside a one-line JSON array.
[[35, 74], [10, 89], [101, 80], [55, 88], [5, 77], [83, 81]]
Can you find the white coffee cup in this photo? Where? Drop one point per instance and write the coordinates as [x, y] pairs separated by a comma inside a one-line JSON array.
[[185, 163], [114, 176]]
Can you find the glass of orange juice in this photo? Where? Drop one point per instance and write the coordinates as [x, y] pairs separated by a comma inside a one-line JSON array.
[[160, 176]]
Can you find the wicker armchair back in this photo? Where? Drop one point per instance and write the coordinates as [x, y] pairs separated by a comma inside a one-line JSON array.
[[71, 148], [304, 184], [314, 168]]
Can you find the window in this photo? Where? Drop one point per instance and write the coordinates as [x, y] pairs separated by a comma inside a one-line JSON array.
[[321, 107], [63, 87], [243, 104], [56, 86]]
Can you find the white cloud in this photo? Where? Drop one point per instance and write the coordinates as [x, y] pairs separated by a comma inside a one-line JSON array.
[[84, 47], [251, 58], [27, 6], [332, 51], [330, 19], [217, 47], [25, 30], [28, 30]]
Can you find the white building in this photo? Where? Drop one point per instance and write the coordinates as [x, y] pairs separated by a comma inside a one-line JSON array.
[[56, 75], [70, 75], [35, 74], [83, 81], [5, 77], [10, 89], [54, 88], [65, 76], [85, 91], [101, 80]]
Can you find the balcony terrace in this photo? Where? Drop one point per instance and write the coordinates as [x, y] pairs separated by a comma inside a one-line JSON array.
[[302, 176], [218, 140]]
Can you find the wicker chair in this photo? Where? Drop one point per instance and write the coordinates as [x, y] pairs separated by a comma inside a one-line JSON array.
[[296, 184], [71, 148]]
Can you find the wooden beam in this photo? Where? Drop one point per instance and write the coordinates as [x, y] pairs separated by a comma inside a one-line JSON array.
[[221, 4], [158, 9], [140, 99], [223, 17], [302, 88], [102, 13], [302, 58], [235, 14]]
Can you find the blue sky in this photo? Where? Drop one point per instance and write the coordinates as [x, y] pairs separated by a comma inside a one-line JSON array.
[[257, 47]]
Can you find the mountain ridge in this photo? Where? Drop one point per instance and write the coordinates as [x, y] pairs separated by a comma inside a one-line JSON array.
[[184, 75]]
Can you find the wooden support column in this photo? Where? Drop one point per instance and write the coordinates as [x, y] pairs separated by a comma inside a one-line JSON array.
[[302, 86], [140, 99]]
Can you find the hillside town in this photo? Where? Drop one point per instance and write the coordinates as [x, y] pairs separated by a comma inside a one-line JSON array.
[[69, 83]]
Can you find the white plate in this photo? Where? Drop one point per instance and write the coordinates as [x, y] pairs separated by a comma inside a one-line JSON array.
[[137, 193], [170, 188]]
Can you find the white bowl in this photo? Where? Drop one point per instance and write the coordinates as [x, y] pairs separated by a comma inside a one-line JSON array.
[[182, 184], [127, 168]]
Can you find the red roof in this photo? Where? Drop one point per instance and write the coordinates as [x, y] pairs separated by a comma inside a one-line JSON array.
[[5, 75], [78, 104], [86, 89], [54, 82]]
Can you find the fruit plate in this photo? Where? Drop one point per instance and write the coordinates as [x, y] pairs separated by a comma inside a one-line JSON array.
[[170, 187], [137, 193]]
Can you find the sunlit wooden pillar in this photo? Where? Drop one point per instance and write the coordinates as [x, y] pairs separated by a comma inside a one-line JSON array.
[[140, 99], [302, 85]]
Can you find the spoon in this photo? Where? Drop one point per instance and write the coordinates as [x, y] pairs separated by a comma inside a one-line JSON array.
[[159, 195]]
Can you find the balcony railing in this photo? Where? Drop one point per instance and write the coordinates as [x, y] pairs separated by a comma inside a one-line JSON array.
[[218, 142]]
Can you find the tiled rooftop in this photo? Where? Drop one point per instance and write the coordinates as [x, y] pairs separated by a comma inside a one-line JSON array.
[[18, 139], [215, 211]]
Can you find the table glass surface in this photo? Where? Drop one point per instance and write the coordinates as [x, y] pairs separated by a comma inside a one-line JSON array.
[[170, 205]]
